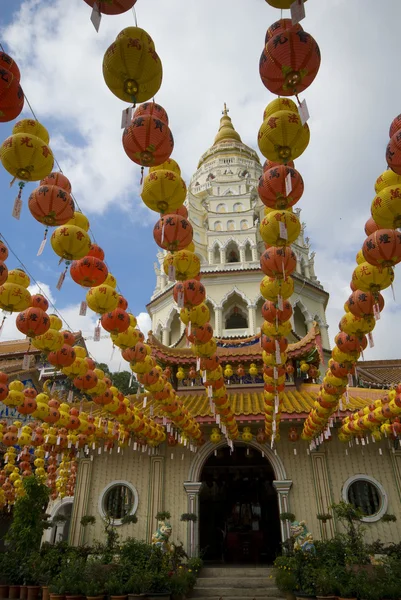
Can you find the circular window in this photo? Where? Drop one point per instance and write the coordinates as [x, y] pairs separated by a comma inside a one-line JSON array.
[[118, 500], [367, 494]]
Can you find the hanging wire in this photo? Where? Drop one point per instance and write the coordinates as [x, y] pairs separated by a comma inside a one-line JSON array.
[[61, 170]]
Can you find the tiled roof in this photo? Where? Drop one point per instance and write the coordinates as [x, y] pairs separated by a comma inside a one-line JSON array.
[[249, 402], [380, 371]]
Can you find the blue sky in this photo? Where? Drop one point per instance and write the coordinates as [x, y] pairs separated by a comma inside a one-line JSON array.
[[210, 53]]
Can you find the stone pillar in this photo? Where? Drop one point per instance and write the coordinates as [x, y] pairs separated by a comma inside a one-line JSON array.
[[155, 493], [322, 490], [218, 320], [283, 488], [81, 498], [242, 254], [210, 254], [165, 336], [192, 489], [252, 319], [325, 335], [307, 272], [309, 323], [255, 257], [298, 267], [222, 255], [163, 280]]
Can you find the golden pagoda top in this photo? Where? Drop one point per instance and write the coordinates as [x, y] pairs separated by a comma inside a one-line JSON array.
[[226, 129]]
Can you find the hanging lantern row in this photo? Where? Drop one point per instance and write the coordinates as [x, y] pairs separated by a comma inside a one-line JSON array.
[[288, 65], [380, 252], [11, 94]]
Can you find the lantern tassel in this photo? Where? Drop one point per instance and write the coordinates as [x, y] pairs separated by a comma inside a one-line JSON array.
[[2, 324], [141, 180], [16, 213], [43, 243]]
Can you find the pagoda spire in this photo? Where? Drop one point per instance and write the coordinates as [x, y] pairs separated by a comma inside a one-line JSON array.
[[226, 129]]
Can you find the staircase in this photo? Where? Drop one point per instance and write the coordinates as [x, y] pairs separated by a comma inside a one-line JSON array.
[[236, 583]]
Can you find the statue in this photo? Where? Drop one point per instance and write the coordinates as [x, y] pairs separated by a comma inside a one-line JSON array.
[[303, 538], [160, 538]]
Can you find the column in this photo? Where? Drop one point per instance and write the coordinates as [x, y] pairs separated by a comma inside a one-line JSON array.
[[395, 458], [155, 494], [192, 489], [255, 257], [80, 506], [165, 336], [163, 280], [222, 255], [309, 323], [282, 488], [322, 490], [307, 272], [298, 267], [218, 321], [242, 254], [252, 319], [210, 257]]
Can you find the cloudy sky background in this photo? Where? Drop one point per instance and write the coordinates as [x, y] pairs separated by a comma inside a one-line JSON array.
[[210, 52]]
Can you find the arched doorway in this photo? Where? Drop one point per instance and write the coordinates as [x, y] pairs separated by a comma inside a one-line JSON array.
[[60, 513], [238, 507]]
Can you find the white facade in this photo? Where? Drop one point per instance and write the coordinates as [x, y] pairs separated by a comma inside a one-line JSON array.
[[225, 210]]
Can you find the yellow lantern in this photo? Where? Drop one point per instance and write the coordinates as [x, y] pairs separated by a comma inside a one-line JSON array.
[[168, 165], [78, 368], [102, 299], [126, 339], [215, 374], [51, 341], [386, 179], [143, 367], [111, 281], [272, 330], [190, 247], [131, 68], [360, 258], [280, 228], [55, 322], [228, 372], [386, 207], [99, 388], [215, 436], [344, 357], [271, 288], [180, 374], [198, 315], [132, 320], [278, 381], [19, 277], [358, 326], [15, 394], [32, 127], [372, 279], [14, 297], [270, 358], [246, 435], [70, 242], [163, 191], [304, 367], [80, 351], [205, 350], [79, 220], [282, 137], [186, 264], [26, 157]]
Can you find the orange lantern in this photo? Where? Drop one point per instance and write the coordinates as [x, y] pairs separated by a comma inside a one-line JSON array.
[[383, 248], [11, 95], [347, 343], [68, 337], [57, 179], [271, 345], [137, 353], [189, 293], [39, 301], [203, 333], [96, 251], [363, 303], [148, 141], [88, 271], [272, 187], [112, 7], [270, 312], [6, 62], [293, 434], [278, 261], [3, 272], [32, 322], [173, 232], [115, 321], [152, 109], [393, 152], [63, 357], [51, 205], [87, 381]]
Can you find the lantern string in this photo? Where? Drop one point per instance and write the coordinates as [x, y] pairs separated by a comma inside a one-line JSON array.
[[61, 170]]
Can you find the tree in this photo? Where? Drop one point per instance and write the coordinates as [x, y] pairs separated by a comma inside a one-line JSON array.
[[104, 368], [122, 381]]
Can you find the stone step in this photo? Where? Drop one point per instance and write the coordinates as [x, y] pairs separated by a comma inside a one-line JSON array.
[[261, 571], [236, 582], [230, 592]]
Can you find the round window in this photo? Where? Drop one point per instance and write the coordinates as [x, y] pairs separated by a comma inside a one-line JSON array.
[[368, 495], [118, 500]]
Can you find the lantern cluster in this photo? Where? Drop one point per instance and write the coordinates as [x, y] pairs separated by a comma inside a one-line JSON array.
[[11, 94], [380, 252]]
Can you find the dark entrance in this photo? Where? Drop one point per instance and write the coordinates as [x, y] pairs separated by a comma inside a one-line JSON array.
[[239, 515]]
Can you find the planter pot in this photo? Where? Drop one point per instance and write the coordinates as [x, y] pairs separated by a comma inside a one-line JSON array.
[[57, 597], [302, 597], [158, 596], [331, 597], [73, 597], [368, 569], [3, 591], [33, 592], [118, 597], [23, 591], [341, 598], [13, 592], [289, 596], [136, 596], [45, 593], [94, 597]]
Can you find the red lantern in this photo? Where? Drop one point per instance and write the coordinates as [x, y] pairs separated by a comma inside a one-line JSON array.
[[271, 313], [6, 62], [293, 435], [96, 252], [173, 232], [87, 381], [289, 367], [33, 322], [115, 321], [88, 271], [240, 371], [39, 301], [28, 406], [182, 211], [269, 344], [69, 338], [11, 96], [394, 127], [371, 226], [210, 364], [281, 26], [148, 141], [350, 343], [312, 373], [103, 399], [3, 391], [136, 354], [290, 61], [383, 248], [340, 370], [149, 378], [112, 7], [91, 363], [272, 187], [63, 357], [393, 152], [151, 109], [273, 371], [278, 262], [203, 333], [362, 303], [3, 251], [189, 293], [3, 272], [269, 164], [122, 303], [51, 205], [57, 179]]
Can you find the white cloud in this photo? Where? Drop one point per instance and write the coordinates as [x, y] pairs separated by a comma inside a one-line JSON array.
[[144, 323]]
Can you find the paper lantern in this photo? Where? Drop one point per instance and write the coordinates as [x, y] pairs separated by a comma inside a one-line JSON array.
[[348, 343], [6, 62], [189, 293], [148, 141], [280, 228], [32, 322], [203, 333], [14, 297], [102, 299], [63, 357], [368, 278], [87, 381], [363, 303], [383, 248], [112, 7], [205, 350], [272, 313], [11, 95], [32, 127], [26, 157], [115, 321], [387, 179], [276, 330], [198, 315], [96, 251], [393, 152], [163, 191], [126, 339], [282, 137], [3, 272], [273, 184], [50, 341], [131, 67], [3, 251], [136, 353], [185, 264], [278, 261], [269, 343], [271, 288], [51, 205], [89, 271], [172, 232], [371, 226], [57, 179], [283, 4], [70, 242], [269, 164], [153, 109], [289, 62], [79, 220], [357, 325], [386, 207]]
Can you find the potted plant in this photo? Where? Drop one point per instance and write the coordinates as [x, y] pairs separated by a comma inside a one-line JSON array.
[[189, 517], [93, 589], [324, 517], [325, 585], [287, 516], [181, 583], [159, 586], [137, 584], [389, 518], [346, 587], [286, 580], [116, 586], [95, 577], [68, 583]]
